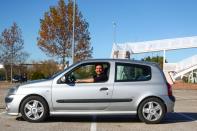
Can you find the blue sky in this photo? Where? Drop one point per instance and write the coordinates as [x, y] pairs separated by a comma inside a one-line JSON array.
[[137, 20]]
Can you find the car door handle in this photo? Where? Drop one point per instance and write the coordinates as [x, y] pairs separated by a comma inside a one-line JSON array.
[[104, 89]]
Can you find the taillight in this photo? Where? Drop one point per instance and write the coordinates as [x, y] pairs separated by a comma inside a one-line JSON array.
[[169, 89]]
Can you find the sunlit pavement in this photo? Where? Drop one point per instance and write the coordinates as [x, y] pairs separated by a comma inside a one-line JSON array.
[[184, 119]]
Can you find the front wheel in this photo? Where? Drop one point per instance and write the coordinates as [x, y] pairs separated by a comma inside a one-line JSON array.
[[34, 109], [151, 111]]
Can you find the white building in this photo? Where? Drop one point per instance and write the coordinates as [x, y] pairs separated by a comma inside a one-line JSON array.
[[1, 66], [172, 71]]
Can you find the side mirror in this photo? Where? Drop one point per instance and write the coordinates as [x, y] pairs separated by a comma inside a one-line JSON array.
[[70, 79], [63, 79]]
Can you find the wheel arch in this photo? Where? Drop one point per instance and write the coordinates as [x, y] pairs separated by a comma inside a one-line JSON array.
[[33, 95], [151, 97]]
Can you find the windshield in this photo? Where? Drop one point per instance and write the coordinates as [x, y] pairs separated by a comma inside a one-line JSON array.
[[59, 72], [56, 74]]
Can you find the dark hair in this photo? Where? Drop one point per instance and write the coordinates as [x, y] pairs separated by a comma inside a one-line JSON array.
[[98, 64]]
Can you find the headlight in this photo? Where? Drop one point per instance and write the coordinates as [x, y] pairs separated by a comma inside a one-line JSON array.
[[13, 90]]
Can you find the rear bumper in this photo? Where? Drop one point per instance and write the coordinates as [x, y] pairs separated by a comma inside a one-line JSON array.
[[172, 98], [169, 102]]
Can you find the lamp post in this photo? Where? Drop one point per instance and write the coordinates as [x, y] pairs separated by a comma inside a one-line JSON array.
[[73, 39], [114, 32], [11, 63], [115, 52], [164, 58]]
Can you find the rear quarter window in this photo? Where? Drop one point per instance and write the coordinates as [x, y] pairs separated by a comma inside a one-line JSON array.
[[126, 72]]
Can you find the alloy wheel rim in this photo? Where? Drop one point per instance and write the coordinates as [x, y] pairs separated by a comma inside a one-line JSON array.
[[34, 110], [152, 111]]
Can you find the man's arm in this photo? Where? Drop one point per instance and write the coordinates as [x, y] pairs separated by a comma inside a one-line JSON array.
[[89, 80]]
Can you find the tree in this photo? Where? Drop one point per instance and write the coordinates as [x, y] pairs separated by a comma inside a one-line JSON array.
[[55, 35], [22, 68], [37, 75], [12, 44], [46, 68], [157, 59]]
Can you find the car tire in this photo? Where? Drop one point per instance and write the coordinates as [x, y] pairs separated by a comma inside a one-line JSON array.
[[151, 111], [34, 109]]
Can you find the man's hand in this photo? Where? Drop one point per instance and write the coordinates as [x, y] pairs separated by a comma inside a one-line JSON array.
[[78, 81]]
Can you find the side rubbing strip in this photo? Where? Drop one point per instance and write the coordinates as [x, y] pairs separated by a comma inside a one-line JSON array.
[[92, 100]]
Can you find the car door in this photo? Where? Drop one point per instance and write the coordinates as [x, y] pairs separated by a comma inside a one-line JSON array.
[[81, 96], [131, 80]]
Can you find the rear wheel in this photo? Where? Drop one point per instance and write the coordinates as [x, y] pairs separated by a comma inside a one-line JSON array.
[[151, 111], [34, 109]]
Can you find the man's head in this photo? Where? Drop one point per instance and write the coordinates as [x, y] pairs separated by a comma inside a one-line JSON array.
[[99, 69]]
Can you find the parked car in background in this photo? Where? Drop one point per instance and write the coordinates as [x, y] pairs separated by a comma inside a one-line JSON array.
[[19, 78], [2, 78], [131, 87]]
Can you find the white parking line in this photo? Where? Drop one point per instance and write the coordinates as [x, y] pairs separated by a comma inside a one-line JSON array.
[[2, 113], [183, 98], [186, 116], [93, 124], [179, 97]]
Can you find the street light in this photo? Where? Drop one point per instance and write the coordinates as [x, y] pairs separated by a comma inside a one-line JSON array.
[[114, 32], [73, 39]]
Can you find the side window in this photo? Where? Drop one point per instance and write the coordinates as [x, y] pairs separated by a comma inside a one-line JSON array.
[[87, 73], [83, 72], [132, 72], [98, 72]]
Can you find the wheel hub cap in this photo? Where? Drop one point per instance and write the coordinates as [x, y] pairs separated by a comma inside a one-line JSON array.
[[34, 110]]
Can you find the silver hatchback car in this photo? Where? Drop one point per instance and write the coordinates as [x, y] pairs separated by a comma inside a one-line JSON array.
[[129, 88]]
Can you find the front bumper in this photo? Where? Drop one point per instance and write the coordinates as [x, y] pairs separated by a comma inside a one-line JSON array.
[[13, 104]]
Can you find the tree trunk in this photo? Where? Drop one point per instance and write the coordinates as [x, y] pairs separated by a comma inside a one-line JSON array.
[[6, 75], [63, 62], [11, 73]]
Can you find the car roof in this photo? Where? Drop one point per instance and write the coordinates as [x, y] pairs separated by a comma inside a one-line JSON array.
[[121, 61]]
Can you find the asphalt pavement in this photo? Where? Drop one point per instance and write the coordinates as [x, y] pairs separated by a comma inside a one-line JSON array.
[[183, 119]]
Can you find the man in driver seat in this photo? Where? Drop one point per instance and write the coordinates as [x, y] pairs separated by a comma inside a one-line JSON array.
[[100, 76]]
